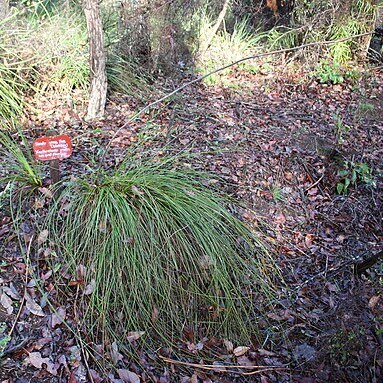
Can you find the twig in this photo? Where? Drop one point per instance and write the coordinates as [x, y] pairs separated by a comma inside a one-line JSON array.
[[25, 287], [269, 369], [315, 183], [224, 368], [18, 347]]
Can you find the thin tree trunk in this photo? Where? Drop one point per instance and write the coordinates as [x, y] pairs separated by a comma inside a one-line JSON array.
[[217, 24], [97, 60]]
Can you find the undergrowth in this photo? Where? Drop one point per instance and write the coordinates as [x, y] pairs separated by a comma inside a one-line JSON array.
[[20, 167], [44, 51], [153, 251], [162, 256], [225, 47]]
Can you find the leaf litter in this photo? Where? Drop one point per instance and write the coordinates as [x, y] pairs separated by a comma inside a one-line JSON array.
[[273, 143]]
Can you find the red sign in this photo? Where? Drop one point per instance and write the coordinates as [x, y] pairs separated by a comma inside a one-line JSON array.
[[52, 148]]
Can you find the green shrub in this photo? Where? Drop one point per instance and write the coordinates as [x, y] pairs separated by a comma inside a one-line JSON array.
[[20, 167], [225, 48], [352, 174], [162, 255], [11, 103], [329, 73]]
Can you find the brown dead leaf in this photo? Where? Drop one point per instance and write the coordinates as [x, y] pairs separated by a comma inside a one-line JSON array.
[[240, 350], [48, 193], [33, 307], [39, 203], [280, 219], [81, 272], [134, 335], [72, 378], [154, 314], [43, 236], [309, 239], [229, 345], [36, 360], [95, 376], [6, 302], [11, 291], [128, 376], [90, 287], [114, 354], [136, 191], [41, 342], [373, 301], [58, 317]]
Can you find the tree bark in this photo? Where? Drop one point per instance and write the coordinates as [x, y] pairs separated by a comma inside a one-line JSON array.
[[97, 60], [216, 26]]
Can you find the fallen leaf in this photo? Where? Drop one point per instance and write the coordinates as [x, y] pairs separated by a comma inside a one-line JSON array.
[[12, 292], [114, 354], [33, 307], [81, 271], [90, 287], [240, 350], [373, 301], [304, 351], [43, 236], [136, 191], [72, 378], [128, 376], [39, 203], [47, 275], [114, 380], [48, 193], [6, 302], [95, 376], [134, 335], [244, 361], [229, 345], [41, 342], [20, 268], [36, 360], [309, 239], [280, 219], [154, 314], [58, 317]]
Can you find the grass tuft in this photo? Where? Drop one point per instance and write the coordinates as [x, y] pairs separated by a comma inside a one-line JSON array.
[[225, 47], [20, 167], [162, 255]]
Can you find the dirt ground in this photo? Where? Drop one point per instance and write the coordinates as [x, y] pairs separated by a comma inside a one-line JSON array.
[[281, 145]]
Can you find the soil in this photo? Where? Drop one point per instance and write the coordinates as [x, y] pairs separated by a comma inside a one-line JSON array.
[[281, 145]]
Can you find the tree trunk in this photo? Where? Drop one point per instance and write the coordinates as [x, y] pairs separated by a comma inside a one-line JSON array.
[[4, 9], [221, 16], [97, 60]]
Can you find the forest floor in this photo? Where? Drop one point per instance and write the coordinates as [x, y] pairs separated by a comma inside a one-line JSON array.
[[282, 145]]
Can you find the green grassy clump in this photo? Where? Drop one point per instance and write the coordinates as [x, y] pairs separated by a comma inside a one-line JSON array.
[[226, 47], [11, 103], [162, 255], [20, 167], [44, 50], [12, 82]]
